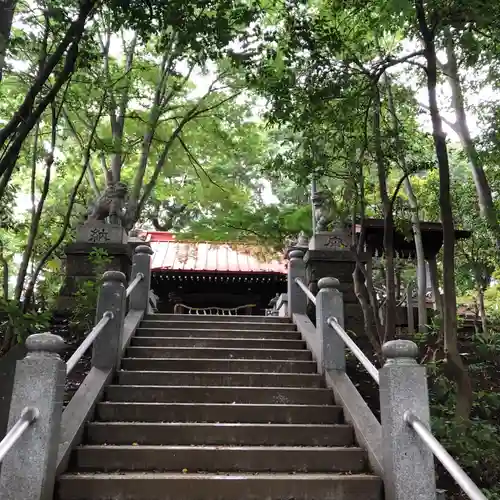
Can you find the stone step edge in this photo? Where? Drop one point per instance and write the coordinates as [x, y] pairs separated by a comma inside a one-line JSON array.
[[225, 405], [175, 448], [229, 425], [224, 387], [224, 360], [224, 349], [228, 374], [244, 330], [277, 476], [194, 372], [236, 339]]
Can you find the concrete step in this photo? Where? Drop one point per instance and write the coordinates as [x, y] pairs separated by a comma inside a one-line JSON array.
[[227, 379], [218, 324], [219, 434], [177, 486], [217, 353], [213, 317], [229, 413], [219, 365], [219, 458], [192, 394], [201, 331], [236, 343]]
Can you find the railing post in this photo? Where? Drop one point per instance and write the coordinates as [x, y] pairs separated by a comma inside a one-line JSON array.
[[106, 349], [408, 463], [139, 298], [297, 301], [29, 468], [329, 302]]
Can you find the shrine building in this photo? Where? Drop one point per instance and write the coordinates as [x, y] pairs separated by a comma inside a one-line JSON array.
[[192, 277]]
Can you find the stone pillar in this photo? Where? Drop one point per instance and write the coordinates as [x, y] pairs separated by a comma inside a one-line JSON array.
[[408, 463], [28, 471], [329, 303], [106, 349], [297, 300], [139, 298], [282, 305]]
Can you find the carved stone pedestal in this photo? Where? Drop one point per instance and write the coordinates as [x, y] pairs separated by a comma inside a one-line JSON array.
[[112, 238], [338, 264]]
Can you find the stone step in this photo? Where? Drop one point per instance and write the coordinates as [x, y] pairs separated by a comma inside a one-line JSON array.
[[222, 334], [235, 434], [192, 394], [217, 353], [178, 486], [219, 365], [227, 379], [219, 324], [236, 343], [219, 458], [213, 317], [229, 413]]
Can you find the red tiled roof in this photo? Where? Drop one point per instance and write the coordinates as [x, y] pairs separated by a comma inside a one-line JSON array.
[[172, 255]]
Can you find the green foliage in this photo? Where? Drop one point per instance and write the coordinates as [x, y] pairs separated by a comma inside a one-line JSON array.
[[475, 444], [85, 298], [19, 324]]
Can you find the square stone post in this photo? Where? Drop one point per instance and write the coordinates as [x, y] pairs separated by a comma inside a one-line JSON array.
[[106, 349], [408, 462], [329, 302], [29, 468], [297, 300], [141, 263]]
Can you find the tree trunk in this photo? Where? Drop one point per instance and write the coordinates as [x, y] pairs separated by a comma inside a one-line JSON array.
[[7, 8], [455, 368], [35, 224], [461, 127], [390, 284], [67, 218], [420, 256], [436, 294], [415, 220], [482, 310], [5, 273]]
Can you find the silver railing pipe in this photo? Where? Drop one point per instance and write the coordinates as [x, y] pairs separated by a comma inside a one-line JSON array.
[[367, 364], [134, 283], [28, 416], [89, 340], [455, 471], [306, 290]]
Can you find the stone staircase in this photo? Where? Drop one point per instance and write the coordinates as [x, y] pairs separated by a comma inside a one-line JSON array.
[[211, 407]]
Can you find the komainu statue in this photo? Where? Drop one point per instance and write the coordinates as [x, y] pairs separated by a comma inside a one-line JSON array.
[[110, 204]]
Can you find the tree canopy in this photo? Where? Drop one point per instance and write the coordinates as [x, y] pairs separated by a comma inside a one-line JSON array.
[[218, 115]]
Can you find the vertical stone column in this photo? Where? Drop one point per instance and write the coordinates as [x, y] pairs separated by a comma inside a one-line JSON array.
[[141, 263], [408, 463], [297, 300], [107, 346], [329, 302], [29, 468]]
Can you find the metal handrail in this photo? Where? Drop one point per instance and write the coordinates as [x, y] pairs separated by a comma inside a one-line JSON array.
[[367, 364], [458, 474], [28, 416], [306, 290], [134, 283], [89, 339]]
